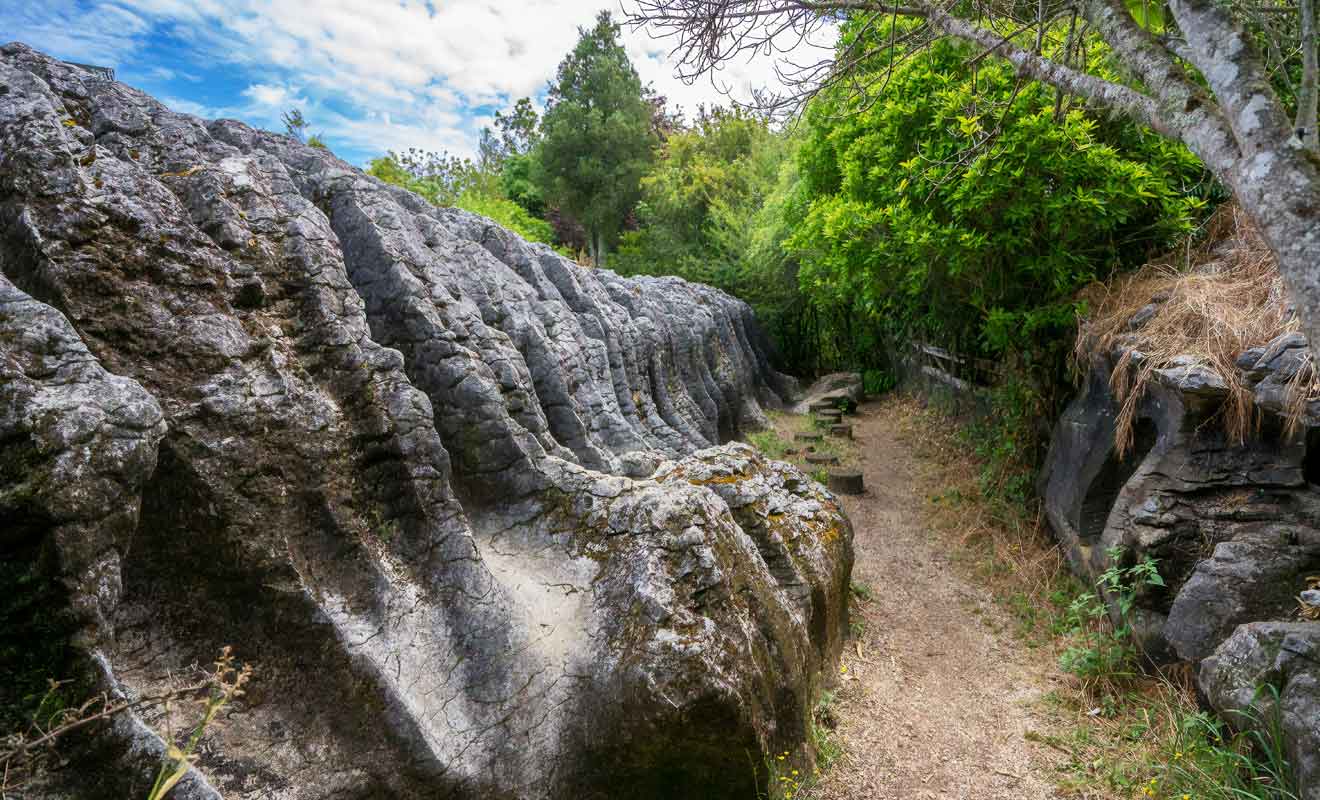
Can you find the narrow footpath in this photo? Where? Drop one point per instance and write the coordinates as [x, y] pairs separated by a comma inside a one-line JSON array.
[[936, 694]]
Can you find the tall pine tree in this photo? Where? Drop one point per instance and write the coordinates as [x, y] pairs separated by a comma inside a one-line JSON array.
[[596, 138]]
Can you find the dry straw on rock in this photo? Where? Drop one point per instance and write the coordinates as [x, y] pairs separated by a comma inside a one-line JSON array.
[[1207, 304]]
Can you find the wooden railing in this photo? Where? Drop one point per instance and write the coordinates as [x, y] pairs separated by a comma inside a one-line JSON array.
[[939, 366]]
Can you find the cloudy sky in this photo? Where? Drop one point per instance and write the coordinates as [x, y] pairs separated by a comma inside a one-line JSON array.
[[370, 75]]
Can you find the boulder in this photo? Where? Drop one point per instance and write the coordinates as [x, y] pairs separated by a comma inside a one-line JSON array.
[[459, 501], [838, 390], [1266, 675]]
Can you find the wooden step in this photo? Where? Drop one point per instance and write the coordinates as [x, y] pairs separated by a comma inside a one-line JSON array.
[[846, 482]]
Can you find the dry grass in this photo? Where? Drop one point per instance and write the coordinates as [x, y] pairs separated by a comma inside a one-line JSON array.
[[1212, 302]]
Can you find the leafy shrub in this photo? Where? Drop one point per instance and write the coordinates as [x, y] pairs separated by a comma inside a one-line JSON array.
[[438, 177], [1103, 650], [875, 381], [1008, 441], [509, 214], [450, 181], [970, 208]]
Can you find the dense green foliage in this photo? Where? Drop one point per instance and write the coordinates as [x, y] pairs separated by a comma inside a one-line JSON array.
[[970, 209], [596, 138], [711, 211], [451, 181], [958, 208], [964, 207]]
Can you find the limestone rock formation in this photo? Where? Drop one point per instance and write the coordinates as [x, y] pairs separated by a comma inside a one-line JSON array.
[[1269, 673], [835, 388], [460, 502], [1234, 526]]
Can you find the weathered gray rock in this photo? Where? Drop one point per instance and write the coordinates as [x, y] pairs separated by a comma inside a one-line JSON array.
[[1250, 578], [1234, 526], [381, 449], [1267, 673], [834, 388]]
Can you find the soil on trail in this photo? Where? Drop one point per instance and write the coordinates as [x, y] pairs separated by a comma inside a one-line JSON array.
[[936, 693]]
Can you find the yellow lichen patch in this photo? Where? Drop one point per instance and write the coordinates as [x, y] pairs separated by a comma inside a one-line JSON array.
[[69, 123], [831, 534], [717, 479], [183, 173]]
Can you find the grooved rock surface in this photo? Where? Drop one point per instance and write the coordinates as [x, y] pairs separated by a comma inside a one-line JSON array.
[[460, 502], [1234, 526]]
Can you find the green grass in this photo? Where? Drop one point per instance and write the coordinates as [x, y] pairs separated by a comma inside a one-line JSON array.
[[769, 443], [1205, 759]]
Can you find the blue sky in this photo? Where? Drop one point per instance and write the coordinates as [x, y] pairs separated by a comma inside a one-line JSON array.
[[369, 76]]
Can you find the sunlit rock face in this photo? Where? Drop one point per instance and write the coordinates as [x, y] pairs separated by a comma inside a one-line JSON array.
[[460, 502]]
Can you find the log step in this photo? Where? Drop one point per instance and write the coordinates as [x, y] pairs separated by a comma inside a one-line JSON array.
[[846, 483], [844, 431], [807, 437], [822, 458]]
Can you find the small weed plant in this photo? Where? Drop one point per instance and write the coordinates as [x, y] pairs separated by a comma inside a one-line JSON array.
[[226, 683], [24, 754], [1102, 650]]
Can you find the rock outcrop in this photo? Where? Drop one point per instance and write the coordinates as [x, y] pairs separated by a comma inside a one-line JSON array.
[[838, 388], [460, 502], [1234, 526]]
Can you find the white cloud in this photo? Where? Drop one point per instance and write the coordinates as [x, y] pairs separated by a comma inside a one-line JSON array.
[[268, 96], [91, 34], [390, 68]]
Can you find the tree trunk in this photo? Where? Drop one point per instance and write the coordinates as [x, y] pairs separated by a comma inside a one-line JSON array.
[[1307, 93]]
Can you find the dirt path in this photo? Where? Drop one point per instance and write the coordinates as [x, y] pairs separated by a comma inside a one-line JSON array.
[[936, 693]]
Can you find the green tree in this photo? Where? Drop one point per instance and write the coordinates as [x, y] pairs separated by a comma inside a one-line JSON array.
[[596, 139], [713, 210], [517, 127], [970, 209]]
